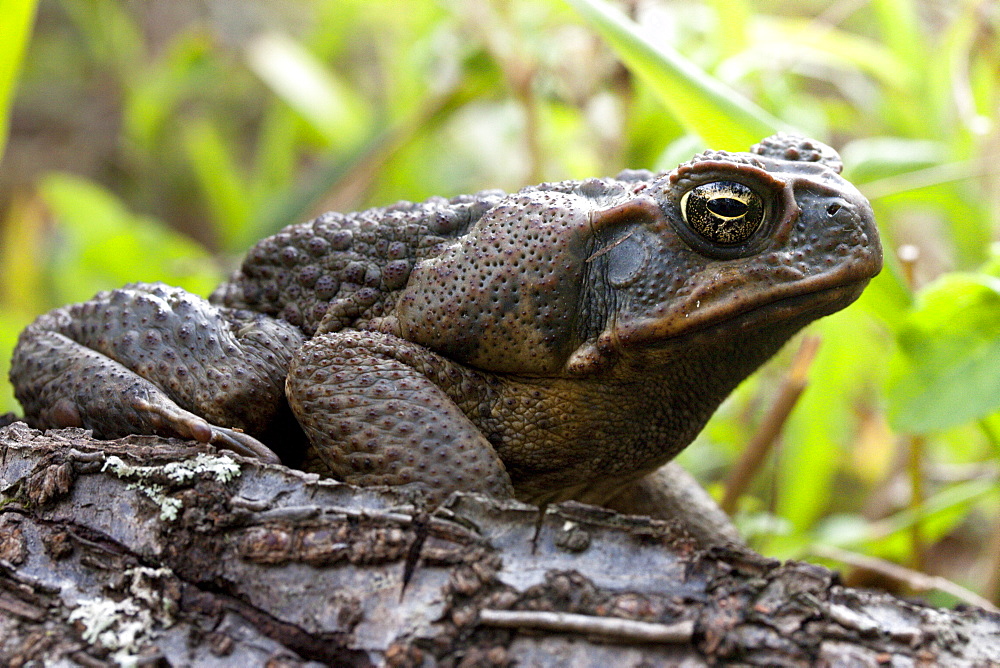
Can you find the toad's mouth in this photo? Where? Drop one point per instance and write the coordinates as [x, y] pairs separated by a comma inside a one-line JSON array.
[[741, 312]]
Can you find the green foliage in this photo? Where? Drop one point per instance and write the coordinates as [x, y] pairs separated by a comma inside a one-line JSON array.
[[949, 355], [194, 134]]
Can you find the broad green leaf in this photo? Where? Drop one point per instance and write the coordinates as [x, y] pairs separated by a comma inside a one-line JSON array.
[[703, 104], [101, 245], [948, 366], [15, 30]]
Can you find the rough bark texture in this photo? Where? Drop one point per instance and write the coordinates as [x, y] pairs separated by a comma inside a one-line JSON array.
[[198, 560]]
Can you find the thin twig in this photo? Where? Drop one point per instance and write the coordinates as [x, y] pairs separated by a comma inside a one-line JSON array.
[[917, 498], [915, 580], [627, 630], [909, 258], [763, 441]]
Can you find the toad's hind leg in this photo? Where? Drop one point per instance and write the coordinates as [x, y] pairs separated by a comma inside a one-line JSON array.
[[151, 359], [379, 410]]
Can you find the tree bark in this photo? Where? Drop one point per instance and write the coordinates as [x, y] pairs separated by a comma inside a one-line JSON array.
[[163, 552]]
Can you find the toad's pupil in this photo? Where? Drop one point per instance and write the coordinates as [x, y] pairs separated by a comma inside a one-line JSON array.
[[727, 207]]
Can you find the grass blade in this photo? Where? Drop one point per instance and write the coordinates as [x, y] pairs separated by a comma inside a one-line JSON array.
[[703, 104]]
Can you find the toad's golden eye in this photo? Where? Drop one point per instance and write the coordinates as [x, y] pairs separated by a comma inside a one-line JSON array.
[[724, 212]]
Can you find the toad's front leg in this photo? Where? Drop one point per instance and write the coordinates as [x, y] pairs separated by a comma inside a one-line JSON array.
[[379, 410], [151, 359]]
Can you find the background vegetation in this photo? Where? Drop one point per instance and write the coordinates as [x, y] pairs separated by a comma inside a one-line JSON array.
[[158, 140]]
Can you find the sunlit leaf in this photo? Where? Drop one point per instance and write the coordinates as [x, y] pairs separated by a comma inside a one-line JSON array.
[[881, 157], [10, 326], [706, 106], [21, 232], [734, 17], [21, 280], [900, 27]]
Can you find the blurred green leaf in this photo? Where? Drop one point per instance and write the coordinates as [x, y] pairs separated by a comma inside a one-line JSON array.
[[10, 326], [936, 515], [110, 34], [812, 46], [20, 237], [948, 367], [900, 27], [152, 100], [706, 106], [874, 158], [295, 76], [276, 154], [101, 245], [734, 17], [295, 204], [15, 30], [221, 179], [21, 280]]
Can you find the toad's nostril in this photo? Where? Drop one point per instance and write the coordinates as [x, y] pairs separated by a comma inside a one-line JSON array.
[[833, 209]]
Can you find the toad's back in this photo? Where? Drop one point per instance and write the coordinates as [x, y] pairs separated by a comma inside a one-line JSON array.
[[347, 267]]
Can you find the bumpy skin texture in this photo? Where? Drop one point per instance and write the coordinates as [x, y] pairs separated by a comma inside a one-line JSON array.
[[556, 343]]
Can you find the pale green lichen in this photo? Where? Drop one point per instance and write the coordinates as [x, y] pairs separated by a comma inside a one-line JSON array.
[[221, 467], [120, 626], [125, 627], [169, 506]]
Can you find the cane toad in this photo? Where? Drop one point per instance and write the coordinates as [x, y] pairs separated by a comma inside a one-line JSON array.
[[558, 342]]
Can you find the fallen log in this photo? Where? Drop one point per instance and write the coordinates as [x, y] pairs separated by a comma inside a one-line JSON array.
[[158, 551]]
